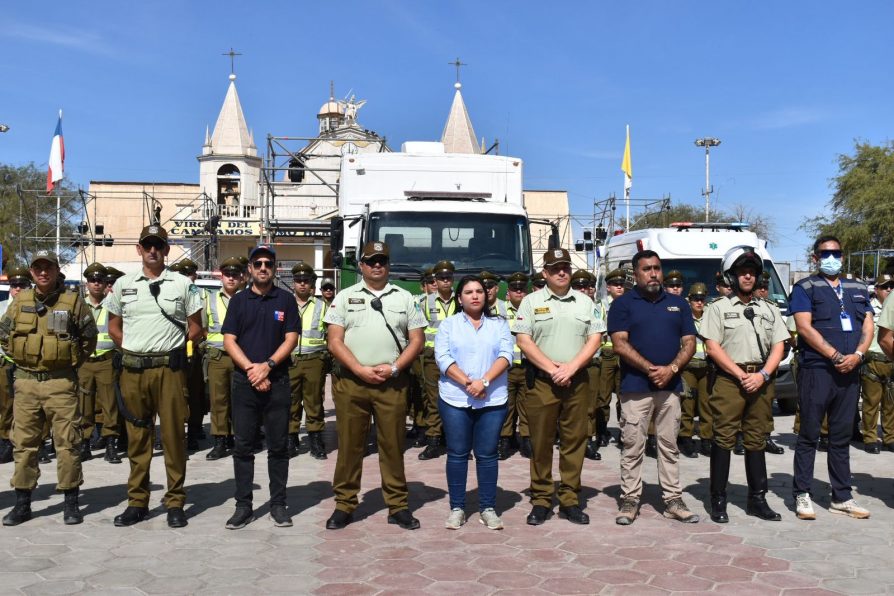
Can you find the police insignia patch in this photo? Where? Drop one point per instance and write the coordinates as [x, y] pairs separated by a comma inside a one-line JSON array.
[[557, 254], [673, 309]]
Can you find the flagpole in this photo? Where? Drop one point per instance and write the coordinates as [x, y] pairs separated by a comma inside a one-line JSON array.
[[58, 213]]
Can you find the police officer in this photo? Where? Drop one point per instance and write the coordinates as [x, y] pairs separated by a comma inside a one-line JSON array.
[[762, 291], [722, 286], [609, 364], [97, 375], [438, 306], [584, 282], [673, 282], [695, 382], [152, 314], [375, 333], [516, 290], [219, 364], [307, 375], [745, 339], [558, 330], [327, 289], [48, 332], [112, 275], [19, 279], [876, 378], [834, 333], [195, 376], [537, 281], [491, 283], [416, 393]]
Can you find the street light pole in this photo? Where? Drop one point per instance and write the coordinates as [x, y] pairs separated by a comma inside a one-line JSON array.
[[707, 143]]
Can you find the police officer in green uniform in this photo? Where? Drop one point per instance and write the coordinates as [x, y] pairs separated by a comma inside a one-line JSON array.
[[609, 364], [876, 378], [97, 375], [762, 291], [19, 279], [48, 332], [327, 289], [219, 364], [516, 290], [375, 333], [416, 393], [695, 384], [307, 375], [195, 376], [558, 330], [584, 282], [745, 339], [537, 281], [673, 282], [152, 314], [112, 275], [438, 306]]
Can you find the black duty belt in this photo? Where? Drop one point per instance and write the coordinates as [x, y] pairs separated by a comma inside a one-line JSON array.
[[752, 367], [696, 364], [45, 375], [102, 357], [144, 362], [296, 358], [214, 352]]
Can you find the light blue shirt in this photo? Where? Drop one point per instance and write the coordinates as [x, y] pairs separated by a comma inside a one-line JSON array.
[[474, 351]]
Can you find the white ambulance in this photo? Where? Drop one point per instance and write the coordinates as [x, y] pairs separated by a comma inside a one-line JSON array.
[[696, 250]]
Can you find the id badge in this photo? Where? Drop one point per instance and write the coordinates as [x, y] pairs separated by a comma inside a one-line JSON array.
[[846, 324]]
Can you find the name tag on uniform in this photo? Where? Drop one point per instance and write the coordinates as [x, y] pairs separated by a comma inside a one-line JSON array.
[[356, 301], [129, 292], [846, 324], [673, 309], [29, 309], [543, 310], [731, 315]]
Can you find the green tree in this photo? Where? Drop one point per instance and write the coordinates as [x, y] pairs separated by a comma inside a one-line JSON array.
[[28, 214], [757, 223]]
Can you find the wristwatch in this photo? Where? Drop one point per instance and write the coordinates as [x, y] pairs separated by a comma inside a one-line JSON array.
[[271, 363], [486, 383], [675, 368], [394, 371]]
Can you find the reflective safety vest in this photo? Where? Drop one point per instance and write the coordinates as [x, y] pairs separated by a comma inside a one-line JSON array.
[[511, 313], [216, 309], [435, 312], [603, 309], [313, 331], [500, 307], [104, 341], [700, 351]]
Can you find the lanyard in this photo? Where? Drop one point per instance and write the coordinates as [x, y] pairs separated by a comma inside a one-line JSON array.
[[839, 293]]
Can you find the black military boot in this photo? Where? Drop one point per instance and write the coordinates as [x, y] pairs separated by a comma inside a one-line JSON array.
[[219, 450], [86, 454], [71, 514], [22, 510], [739, 449], [652, 446], [705, 447], [524, 447], [293, 444], [97, 441], [111, 455], [5, 451], [504, 448], [687, 446], [419, 439], [158, 444], [43, 453], [592, 450], [192, 438], [756, 473], [317, 447], [719, 479], [433, 449], [772, 447]]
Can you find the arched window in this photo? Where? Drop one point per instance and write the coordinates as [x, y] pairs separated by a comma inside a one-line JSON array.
[[228, 190]]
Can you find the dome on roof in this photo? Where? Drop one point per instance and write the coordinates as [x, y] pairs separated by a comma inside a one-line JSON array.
[[331, 108]]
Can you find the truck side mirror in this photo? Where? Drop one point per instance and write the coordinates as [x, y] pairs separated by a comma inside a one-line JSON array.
[[336, 234], [553, 241], [337, 260]]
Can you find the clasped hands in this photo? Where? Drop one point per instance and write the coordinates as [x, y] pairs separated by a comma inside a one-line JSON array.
[[257, 373]]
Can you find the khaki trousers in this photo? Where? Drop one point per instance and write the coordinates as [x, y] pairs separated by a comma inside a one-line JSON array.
[[609, 383], [355, 403], [875, 398], [97, 379], [695, 397], [5, 399], [638, 410], [37, 404], [220, 376], [147, 393], [416, 394], [593, 398], [431, 373], [735, 410], [307, 381], [548, 406], [515, 404]]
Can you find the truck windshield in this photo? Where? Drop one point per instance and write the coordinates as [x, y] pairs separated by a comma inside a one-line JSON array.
[[705, 270], [472, 241]]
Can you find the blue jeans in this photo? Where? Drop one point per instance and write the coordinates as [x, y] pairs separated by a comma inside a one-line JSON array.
[[467, 430]]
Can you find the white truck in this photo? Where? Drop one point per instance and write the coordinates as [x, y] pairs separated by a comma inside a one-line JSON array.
[[428, 205], [696, 250]]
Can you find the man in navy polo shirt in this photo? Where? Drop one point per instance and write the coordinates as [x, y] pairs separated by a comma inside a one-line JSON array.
[[260, 330], [653, 333]]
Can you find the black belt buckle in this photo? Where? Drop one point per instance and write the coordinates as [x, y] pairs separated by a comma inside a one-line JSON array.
[[752, 368], [146, 362]]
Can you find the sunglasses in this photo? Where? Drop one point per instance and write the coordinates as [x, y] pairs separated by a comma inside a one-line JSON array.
[[231, 273], [20, 285], [825, 254], [489, 285], [376, 262], [302, 280], [696, 298], [539, 284], [328, 289], [518, 287], [579, 285], [96, 280], [150, 244], [614, 283], [260, 264], [444, 278], [673, 285]]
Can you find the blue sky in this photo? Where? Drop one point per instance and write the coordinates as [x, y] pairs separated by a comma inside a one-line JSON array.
[[787, 86]]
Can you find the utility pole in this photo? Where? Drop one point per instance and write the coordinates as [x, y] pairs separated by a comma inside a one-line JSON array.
[[707, 143]]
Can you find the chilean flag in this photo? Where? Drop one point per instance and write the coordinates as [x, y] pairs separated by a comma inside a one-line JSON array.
[[56, 164]]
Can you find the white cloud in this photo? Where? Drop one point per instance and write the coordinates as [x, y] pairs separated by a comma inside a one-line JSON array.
[[84, 41]]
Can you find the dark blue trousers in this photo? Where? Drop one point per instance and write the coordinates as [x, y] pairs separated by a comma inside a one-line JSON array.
[[824, 391]]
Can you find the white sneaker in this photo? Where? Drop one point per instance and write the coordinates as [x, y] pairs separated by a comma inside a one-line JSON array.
[[850, 508], [804, 507], [456, 519], [489, 518]]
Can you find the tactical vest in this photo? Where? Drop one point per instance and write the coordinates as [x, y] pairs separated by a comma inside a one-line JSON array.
[[435, 312], [217, 312], [313, 337], [104, 341], [31, 343]]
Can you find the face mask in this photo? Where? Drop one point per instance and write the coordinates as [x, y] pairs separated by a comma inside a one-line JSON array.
[[830, 265]]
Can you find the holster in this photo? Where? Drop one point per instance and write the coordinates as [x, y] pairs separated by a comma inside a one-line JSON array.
[[177, 359], [530, 375], [712, 376]]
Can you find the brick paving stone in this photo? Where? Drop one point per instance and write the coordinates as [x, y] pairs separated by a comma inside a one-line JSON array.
[[504, 579], [680, 583], [620, 576], [60, 587], [702, 557], [500, 563], [449, 572], [401, 580], [760, 563], [784, 580], [452, 588], [641, 553], [572, 585], [603, 561], [553, 570], [722, 573], [19, 579], [662, 567], [172, 585], [810, 592], [854, 586], [634, 591], [745, 588], [345, 589], [26, 564]]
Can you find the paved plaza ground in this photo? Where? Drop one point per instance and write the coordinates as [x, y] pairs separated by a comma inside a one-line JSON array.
[[833, 554]]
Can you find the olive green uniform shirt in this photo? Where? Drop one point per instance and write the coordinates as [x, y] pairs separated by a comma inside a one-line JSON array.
[[877, 308], [366, 335], [146, 330], [724, 321], [559, 325]]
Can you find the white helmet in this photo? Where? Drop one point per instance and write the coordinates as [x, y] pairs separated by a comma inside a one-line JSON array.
[[738, 256]]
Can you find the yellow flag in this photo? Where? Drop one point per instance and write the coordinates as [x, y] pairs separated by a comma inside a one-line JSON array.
[[626, 167]]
